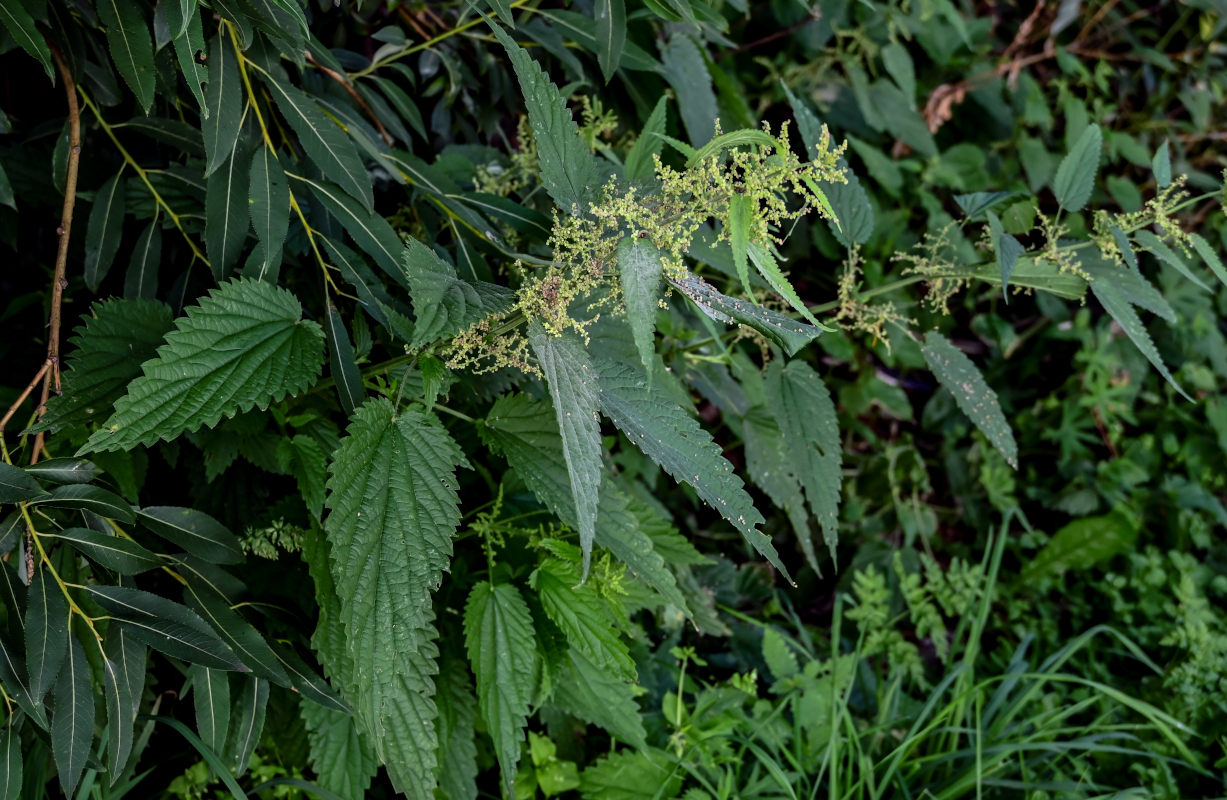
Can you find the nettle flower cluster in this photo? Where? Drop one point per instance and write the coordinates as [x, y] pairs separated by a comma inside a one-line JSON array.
[[582, 281]]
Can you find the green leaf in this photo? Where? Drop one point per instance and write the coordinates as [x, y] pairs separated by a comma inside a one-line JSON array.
[[123, 682], [10, 755], [344, 365], [809, 435], [16, 485], [211, 701], [72, 724], [1007, 249], [686, 71], [270, 209], [223, 103], [956, 372], [89, 498], [765, 263], [21, 27], [324, 141], [582, 615], [740, 215], [1161, 165], [644, 774], [246, 724], [164, 625], [113, 552], [526, 432], [457, 746], [783, 331], [402, 104], [610, 18], [307, 681], [393, 512], [370, 231], [110, 348], [104, 230], [600, 697], [1076, 176], [46, 621], [781, 660], [444, 304], [1168, 256], [239, 635], [244, 345], [183, 19], [640, 165], [640, 267], [498, 632], [13, 676], [63, 470], [1127, 318], [726, 141], [7, 198], [1037, 273], [131, 46], [308, 463], [194, 531], [141, 282], [1081, 544], [568, 170], [1131, 285], [1208, 255], [674, 440], [575, 394], [226, 218], [342, 761]]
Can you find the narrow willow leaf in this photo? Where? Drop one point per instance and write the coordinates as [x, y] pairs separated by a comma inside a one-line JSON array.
[[582, 615], [13, 676], [323, 140], [131, 46], [72, 724], [129, 657], [244, 640], [370, 231], [1161, 165], [344, 365], [1168, 256], [610, 18], [674, 440], [568, 169], [1007, 250], [10, 756], [226, 202], [640, 165], [7, 198], [956, 372], [244, 345], [740, 215], [183, 18], [402, 104], [640, 267], [783, 331], [120, 708], [307, 681], [686, 71], [89, 498], [600, 697], [270, 208], [1127, 318], [1076, 176], [46, 621], [526, 432], [141, 282], [16, 485], [393, 511], [165, 625], [104, 230], [63, 470], [21, 27], [498, 632], [575, 393], [211, 700], [809, 433], [766, 265], [113, 552], [246, 724], [444, 304], [194, 531], [223, 103], [1208, 255], [344, 764], [457, 737]]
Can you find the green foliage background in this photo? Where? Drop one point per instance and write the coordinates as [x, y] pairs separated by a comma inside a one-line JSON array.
[[613, 399]]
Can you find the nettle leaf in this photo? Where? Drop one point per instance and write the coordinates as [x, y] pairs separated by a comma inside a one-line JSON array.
[[1168, 256], [21, 27], [194, 531], [1116, 305], [809, 434], [642, 774], [526, 432], [641, 267], [770, 468], [323, 140], [104, 230], [164, 625], [443, 303], [457, 737], [766, 265], [498, 632], [600, 697], [568, 169], [783, 331], [342, 760], [740, 214], [270, 209], [610, 18], [393, 512], [581, 614], [575, 393], [686, 71], [1076, 176], [244, 345], [131, 46], [674, 440], [1203, 249], [956, 372], [183, 19], [72, 724], [1007, 249], [211, 701], [223, 103]]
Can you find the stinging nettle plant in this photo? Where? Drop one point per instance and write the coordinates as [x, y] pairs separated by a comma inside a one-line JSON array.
[[476, 551]]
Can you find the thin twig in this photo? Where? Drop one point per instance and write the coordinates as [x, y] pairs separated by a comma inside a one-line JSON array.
[[22, 398]]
